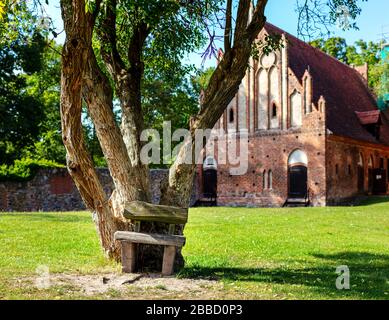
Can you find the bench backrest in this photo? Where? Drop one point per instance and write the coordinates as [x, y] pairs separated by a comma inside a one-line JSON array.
[[144, 211]]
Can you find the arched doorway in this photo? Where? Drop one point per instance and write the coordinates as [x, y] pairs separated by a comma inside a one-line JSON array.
[[210, 177], [370, 174], [361, 174], [297, 175]]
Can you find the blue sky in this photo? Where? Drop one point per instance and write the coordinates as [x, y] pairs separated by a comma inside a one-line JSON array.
[[375, 14], [372, 22]]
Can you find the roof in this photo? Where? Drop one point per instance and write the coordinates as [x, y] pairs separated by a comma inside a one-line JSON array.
[[342, 87]]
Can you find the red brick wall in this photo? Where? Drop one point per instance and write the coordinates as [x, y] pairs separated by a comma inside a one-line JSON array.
[[61, 183], [343, 152], [270, 150]]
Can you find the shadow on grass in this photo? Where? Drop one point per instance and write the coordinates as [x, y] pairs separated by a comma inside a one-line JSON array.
[[369, 275], [371, 200]]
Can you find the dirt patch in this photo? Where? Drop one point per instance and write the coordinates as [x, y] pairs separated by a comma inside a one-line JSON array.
[[139, 286]]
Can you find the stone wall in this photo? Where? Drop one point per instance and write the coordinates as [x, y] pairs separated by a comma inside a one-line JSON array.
[[54, 190]]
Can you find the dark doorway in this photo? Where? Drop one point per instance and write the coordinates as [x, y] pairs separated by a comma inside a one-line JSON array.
[[210, 183], [387, 166], [379, 181], [371, 181], [298, 178]]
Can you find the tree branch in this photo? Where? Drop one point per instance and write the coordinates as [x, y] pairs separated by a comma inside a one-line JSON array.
[[241, 19], [228, 27], [97, 93], [107, 36], [258, 20], [127, 84]]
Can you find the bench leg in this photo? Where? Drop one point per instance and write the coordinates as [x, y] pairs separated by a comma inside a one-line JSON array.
[[128, 256], [169, 255]]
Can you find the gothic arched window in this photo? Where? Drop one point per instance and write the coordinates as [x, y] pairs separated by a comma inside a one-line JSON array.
[[274, 110], [270, 179], [231, 115]]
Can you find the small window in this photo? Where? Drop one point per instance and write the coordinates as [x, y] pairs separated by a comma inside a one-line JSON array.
[[274, 111], [231, 115], [349, 172], [270, 183], [336, 169], [264, 180]]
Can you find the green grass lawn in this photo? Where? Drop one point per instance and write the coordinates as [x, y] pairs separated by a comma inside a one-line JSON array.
[[255, 253]]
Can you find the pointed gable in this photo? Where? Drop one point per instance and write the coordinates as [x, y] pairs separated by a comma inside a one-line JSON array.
[[342, 87]]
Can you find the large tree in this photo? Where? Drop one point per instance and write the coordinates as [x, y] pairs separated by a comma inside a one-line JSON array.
[[156, 35]]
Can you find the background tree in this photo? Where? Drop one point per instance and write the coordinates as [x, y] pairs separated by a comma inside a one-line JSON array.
[[201, 80], [29, 88], [357, 54], [20, 112], [336, 47], [44, 86], [156, 32], [382, 90], [30, 134]]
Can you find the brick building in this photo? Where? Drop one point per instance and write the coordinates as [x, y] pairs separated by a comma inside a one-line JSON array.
[[314, 132]]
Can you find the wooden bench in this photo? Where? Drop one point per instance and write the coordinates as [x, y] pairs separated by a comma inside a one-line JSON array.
[[138, 211]]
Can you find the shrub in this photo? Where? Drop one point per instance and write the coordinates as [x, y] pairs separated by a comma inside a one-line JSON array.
[[25, 169]]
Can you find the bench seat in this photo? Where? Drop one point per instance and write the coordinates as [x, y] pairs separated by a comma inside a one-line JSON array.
[[150, 238]]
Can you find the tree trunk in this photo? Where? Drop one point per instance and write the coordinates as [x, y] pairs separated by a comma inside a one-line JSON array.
[[79, 26]]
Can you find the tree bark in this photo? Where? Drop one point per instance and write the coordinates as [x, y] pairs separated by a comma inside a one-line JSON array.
[[79, 26], [97, 93], [127, 84]]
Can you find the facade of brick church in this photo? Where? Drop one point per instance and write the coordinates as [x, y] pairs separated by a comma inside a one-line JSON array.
[[314, 132]]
